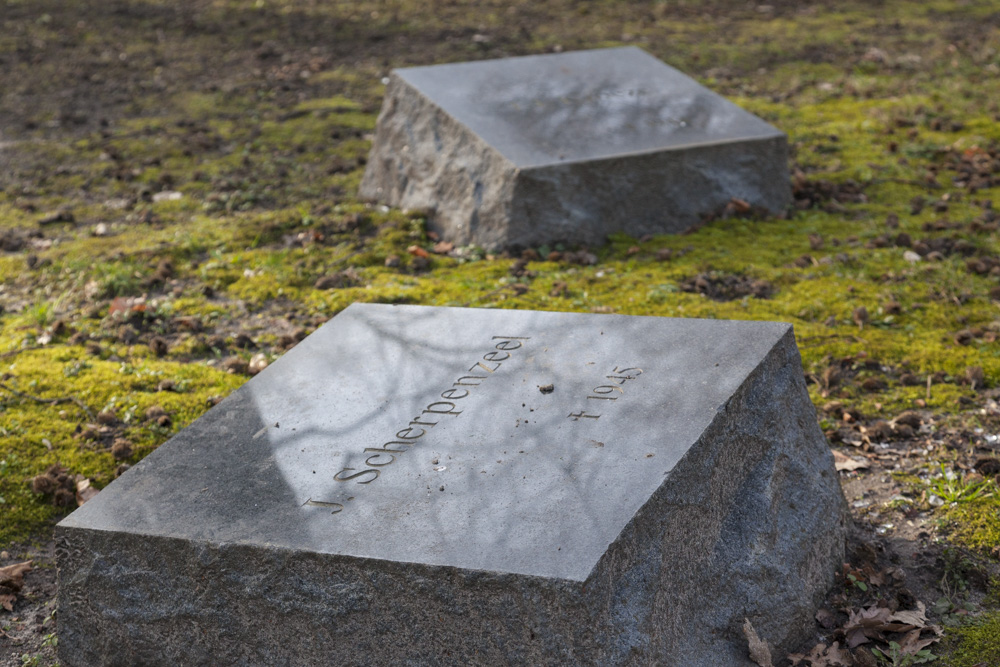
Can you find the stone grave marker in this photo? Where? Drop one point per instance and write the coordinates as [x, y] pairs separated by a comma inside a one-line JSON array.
[[419, 485], [568, 147]]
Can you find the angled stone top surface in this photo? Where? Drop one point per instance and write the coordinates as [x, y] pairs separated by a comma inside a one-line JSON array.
[[506, 480], [583, 105]]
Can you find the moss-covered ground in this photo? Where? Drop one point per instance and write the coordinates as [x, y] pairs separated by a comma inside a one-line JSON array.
[[176, 178], [977, 642]]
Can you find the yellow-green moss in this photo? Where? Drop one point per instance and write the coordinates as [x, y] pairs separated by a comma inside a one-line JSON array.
[[976, 524], [977, 643], [36, 435]]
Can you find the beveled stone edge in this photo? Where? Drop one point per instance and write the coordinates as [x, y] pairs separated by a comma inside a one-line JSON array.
[[764, 136], [777, 135]]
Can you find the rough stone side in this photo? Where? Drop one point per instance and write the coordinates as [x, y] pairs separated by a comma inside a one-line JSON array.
[[655, 193], [140, 600], [750, 524], [422, 158]]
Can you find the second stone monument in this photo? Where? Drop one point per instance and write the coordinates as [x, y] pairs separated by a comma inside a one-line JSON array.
[[568, 147]]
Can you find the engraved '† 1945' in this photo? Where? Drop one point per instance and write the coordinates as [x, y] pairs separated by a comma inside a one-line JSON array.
[[608, 392]]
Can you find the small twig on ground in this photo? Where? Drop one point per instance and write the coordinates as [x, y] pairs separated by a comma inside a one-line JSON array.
[[827, 337], [856, 339], [11, 353], [904, 181], [485, 296], [50, 401]]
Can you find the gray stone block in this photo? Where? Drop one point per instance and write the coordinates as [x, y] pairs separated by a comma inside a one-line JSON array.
[[421, 486], [568, 147]]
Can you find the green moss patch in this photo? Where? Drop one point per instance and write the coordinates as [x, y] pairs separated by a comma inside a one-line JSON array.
[[38, 434], [976, 524], [977, 643]]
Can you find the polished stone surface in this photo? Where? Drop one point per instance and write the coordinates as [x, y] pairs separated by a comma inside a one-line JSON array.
[[568, 147], [404, 460], [583, 105], [520, 476]]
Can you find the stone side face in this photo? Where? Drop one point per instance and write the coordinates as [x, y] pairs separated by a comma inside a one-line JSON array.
[[135, 600], [749, 524], [423, 159], [656, 193]]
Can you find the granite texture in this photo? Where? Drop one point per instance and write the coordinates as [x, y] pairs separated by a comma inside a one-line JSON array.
[[397, 489], [567, 147]]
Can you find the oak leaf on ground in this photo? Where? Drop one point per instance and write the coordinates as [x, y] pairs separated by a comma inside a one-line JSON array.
[[11, 581], [842, 461], [823, 656]]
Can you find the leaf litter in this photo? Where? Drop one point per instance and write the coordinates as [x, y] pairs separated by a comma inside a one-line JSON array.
[[11, 583], [830, 188]]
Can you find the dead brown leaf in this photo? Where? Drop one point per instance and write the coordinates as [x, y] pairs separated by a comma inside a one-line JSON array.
[[759, 652], [11, 581], [417, 251], [823, 656], [864, 658], [84, 490], [860, 316], [865, 624], [911, 643], [915, 617], [740, 205], [443, 247], [12, 576], [121, 304], [842, 461], [826, 618]]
